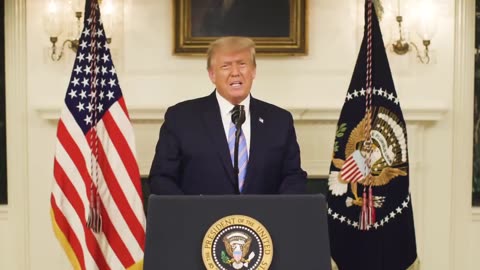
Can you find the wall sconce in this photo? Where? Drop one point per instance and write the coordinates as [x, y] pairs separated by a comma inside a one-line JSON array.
[[422, 18], [66, 17]]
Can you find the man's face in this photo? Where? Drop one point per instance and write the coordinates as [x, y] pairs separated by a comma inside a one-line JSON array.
[[233, 74]]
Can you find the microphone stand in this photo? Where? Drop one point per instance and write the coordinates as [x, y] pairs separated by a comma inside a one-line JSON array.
[[235, 158], [238, 118]]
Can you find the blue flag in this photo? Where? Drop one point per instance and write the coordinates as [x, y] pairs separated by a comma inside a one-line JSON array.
[[369, 205]]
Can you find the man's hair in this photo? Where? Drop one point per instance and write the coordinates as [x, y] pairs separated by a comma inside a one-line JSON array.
[[231, 44]]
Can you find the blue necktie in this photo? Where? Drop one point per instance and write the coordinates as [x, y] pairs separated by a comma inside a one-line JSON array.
[[242, 154]]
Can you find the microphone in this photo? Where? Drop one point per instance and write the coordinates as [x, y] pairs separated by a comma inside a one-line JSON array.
[[238, 118]]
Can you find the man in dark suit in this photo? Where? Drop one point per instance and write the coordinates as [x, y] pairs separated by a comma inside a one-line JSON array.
[[195, 151]]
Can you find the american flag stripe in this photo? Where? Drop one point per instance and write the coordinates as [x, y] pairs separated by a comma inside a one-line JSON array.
[[125, 152], [120, 116], [119, 218], [115, 241], [70, 158], [76, 244], [117, 189], [122, 175], [350, 171], [104, 194], [78, 160], [120, 113], [113, 220], [356, 177], [60, 226], [111, 234], [64, 242], [75, 225], [127, 159], [77, 183], [347, 173], [349, 164], [93, 248], [112, 259], [78, 138], [119, 224], [71, 153]]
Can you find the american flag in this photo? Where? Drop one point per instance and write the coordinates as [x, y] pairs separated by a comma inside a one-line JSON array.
[[96, 201]]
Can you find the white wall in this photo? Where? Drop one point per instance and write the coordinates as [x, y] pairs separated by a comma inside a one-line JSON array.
[[312, 87]]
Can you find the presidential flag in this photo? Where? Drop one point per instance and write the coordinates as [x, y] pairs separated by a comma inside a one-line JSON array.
[[369, 205], [96, 201]]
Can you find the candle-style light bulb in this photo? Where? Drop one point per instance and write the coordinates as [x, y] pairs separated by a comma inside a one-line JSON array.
[[77, 5], [53, 19], [108, 11], [426, 17]]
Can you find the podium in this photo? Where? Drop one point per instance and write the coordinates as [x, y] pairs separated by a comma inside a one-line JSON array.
[[277, 232]]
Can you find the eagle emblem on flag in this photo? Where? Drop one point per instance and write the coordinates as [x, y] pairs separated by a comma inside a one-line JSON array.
[[389, 155]]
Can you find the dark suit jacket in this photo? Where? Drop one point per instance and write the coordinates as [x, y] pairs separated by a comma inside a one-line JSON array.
[[192, 155]]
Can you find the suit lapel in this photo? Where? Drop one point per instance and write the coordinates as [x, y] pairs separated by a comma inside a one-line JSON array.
[[214, 126], [257, 139]]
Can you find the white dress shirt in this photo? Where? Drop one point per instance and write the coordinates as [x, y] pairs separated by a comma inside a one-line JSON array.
[[225, 111]]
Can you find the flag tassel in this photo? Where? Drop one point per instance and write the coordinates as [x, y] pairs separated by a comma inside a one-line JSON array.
[[371, 207], [94, 220], [368, 214]]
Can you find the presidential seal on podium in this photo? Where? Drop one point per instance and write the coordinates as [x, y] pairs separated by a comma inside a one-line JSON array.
[[237, 242]]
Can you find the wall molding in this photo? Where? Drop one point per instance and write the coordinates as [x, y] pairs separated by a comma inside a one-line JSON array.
[[462, 140], [18, 255], [476, 214], [316, 168], [424, 116], [139, 114], [3, 213]]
